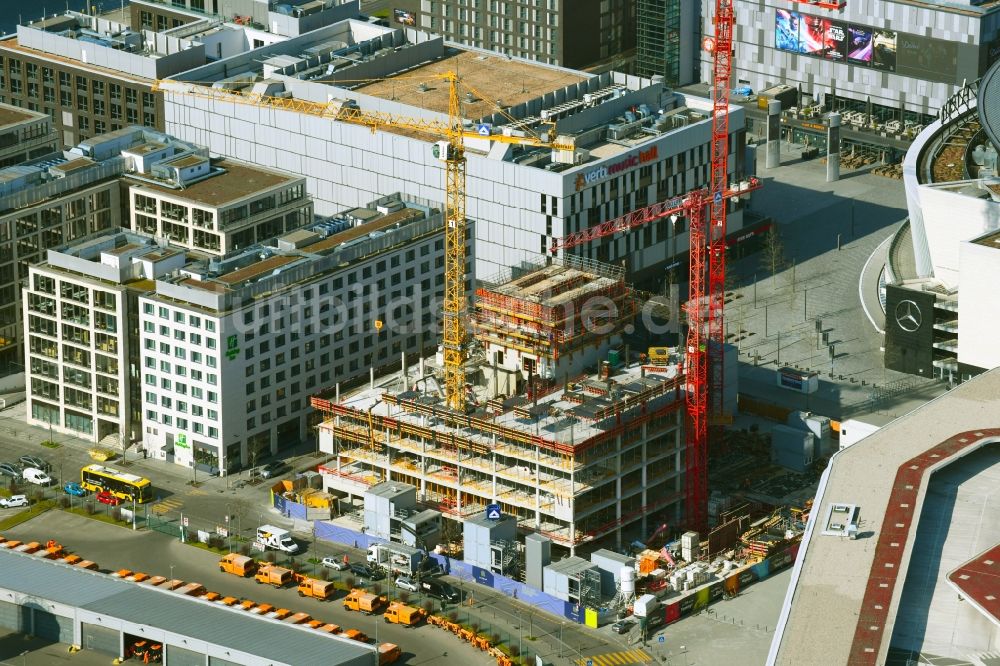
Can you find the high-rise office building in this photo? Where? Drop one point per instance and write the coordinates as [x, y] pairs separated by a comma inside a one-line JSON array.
[[570, 33], [666, 40]]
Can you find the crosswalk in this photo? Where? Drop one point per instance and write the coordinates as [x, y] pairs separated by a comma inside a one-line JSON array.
[[166, 506], [616, 658]]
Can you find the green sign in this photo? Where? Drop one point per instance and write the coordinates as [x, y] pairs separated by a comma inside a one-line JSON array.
[[181, 442], [232, 347]]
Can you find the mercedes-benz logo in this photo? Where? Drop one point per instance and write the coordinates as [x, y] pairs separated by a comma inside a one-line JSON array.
[[908, 316]]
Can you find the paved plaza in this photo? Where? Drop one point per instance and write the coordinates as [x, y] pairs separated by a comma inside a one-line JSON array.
[[782, 320]]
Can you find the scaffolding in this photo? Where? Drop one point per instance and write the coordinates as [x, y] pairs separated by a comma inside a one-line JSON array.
[[548, 311]]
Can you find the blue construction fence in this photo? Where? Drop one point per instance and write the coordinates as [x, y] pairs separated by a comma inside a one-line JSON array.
[[338, 534], [287, 507]]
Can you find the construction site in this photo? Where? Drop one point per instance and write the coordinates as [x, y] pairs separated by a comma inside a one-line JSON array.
[[561, 432]]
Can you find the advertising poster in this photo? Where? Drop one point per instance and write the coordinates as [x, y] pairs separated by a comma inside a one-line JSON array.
[[884, 50], [786, 31], [859, 44], [812, 35], [836, 41], [406, 18]]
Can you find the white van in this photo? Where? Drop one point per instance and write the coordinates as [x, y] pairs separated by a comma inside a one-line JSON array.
[[269, 536], [36, 476]]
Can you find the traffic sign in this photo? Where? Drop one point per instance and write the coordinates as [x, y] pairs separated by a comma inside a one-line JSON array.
[[184, 521], [493, 512], [483, 129], [221, 531], [663, 639], [590, 662], [718, 197]]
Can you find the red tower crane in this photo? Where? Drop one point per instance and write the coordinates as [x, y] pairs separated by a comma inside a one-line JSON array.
[[706, 321]]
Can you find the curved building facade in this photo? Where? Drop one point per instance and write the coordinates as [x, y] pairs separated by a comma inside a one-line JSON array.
[[942, 306]]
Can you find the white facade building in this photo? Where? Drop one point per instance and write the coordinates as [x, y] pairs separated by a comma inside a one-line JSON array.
[[637, 142], [232, 349], [81, 361]]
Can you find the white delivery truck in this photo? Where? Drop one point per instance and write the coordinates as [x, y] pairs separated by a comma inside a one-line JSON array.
[[269, 536]]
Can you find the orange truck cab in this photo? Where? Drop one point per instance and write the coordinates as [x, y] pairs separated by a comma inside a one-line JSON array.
[[400, 613], [317, 589], [272, 575], [366, 602], [238, 565], [388, 653]]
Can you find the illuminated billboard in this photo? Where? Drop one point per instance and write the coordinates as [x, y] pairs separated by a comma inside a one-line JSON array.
[[859, 44], [786, 31], [925, 58]]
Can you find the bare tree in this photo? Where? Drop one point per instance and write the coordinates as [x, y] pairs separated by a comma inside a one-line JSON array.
[[773, 259]]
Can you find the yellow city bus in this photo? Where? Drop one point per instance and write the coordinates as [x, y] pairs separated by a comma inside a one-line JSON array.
[[128, 487]]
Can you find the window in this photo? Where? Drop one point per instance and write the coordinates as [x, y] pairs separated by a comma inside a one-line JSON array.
[[213, 432], [213, 397]]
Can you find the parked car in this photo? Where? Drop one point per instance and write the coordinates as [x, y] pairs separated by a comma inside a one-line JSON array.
[[621, 626], [273, 469], [14, 501], [406, 583], [11, 470], [338, 563], [36, 462], [104, 497], [74, 488], [366, 572], [36, 476]]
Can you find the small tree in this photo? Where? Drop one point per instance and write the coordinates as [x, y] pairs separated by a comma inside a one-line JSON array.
[[404, 596], [376, 589], [428, 606], [773, 259], [350, 582]]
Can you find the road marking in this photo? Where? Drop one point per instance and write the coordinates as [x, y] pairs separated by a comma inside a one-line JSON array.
[[197, 491], [616, 658], [166, 505]]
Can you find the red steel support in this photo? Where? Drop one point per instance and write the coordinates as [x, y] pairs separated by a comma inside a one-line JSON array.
[[696, 468]]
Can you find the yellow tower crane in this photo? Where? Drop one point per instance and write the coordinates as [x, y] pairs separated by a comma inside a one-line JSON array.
[[451, 151]]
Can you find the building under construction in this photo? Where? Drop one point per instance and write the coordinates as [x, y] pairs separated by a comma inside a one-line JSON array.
[[561, 431]]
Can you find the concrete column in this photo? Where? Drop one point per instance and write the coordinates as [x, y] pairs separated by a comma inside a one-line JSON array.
[[772, 149], [833, 148]]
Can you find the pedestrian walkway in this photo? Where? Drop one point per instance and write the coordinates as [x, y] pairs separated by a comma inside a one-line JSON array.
[[623, 658], [166, 506]]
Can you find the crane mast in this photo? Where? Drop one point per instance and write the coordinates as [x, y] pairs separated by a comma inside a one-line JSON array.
[[453, 322]]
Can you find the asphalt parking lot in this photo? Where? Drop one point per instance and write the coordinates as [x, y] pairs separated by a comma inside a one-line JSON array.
[[114, 547]]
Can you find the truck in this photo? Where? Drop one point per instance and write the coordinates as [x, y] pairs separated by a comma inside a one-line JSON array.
[[400, 613], [355, 635], [398, 558], [273, 575], [269, 536], [317, 589], [388, 653], [238, 565], [364, 601]]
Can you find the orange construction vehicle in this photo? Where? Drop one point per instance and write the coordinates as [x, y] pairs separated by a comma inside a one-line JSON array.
[[274, 575], [317, 589], [400, 613], [388, 653], [238, 565], [355, 635], [363, 601]]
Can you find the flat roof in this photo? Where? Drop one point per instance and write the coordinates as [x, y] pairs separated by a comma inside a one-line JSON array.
[[11, 114], [979, 580], [257, 268], [13, 44], [240, 181], [572, 566], [183, 615], [845, 593], [492, 76], [357, 231]]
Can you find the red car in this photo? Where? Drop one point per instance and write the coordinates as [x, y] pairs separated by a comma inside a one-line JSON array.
[[105, 497]]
